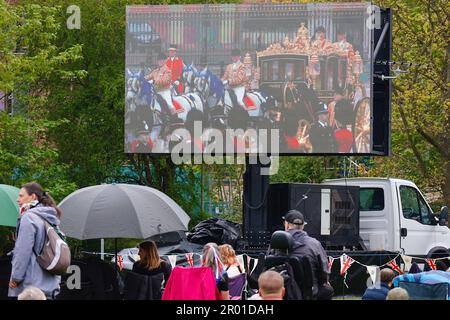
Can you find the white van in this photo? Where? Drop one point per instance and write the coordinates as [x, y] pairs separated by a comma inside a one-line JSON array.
[[394, 216]]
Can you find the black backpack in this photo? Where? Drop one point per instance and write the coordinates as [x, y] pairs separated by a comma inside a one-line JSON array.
[[292, 289]]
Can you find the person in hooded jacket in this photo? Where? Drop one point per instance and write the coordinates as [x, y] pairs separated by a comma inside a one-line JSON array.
[[306, 246], [36, 205]]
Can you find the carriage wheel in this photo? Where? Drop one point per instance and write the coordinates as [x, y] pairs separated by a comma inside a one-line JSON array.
[[361, 127], [304, 127]]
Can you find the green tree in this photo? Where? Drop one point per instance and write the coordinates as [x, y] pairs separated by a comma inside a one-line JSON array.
[[30, 62], [90, 140], [306, 169], [421, 105]]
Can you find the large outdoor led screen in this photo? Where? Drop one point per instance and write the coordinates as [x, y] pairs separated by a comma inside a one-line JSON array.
[[279, 78]]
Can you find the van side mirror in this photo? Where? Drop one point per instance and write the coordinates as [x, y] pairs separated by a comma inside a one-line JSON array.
[[443, 216]]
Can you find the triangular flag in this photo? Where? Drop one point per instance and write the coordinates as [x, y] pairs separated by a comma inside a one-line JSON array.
[[120, 262], [373, 271], [254, 265], [330, 263], [219, 266], [173, 260], [393, 264], [194, 259], [247, 263], [240, 259], [408, 261], [431, 263], [346, 262], [190, 259]]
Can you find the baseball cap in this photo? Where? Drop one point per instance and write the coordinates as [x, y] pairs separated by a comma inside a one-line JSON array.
[[294, 217]]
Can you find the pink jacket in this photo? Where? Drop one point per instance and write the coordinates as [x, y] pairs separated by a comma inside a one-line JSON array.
[[197, 283]]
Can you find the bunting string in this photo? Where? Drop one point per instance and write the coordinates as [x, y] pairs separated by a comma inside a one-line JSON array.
[[345, 260]]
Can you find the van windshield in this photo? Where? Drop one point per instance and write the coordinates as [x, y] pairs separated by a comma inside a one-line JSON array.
[[371, 199]]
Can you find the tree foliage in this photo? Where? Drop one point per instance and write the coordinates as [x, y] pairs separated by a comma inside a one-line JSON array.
[[68, 87], [421, 105], [30, 61]]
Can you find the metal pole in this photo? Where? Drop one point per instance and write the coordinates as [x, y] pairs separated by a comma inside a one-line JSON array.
[[115, 254], [102, 249], [380, 41], [202, 196]]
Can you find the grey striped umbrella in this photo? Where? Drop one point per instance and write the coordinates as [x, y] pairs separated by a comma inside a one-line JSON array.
[[120, 211]]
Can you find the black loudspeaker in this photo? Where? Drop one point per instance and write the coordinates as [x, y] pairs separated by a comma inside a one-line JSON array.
[[331, 212]]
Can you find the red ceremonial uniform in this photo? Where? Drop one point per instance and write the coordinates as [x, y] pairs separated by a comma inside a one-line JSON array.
[[175, 65], [292, 142], [344, 139]]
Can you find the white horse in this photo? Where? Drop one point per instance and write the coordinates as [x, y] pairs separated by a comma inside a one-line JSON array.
[[254, 110], [143, 111], [214, 92], [188, 77], [180, 105]]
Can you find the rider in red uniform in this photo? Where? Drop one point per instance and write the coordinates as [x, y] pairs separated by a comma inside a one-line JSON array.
[[175, 65]]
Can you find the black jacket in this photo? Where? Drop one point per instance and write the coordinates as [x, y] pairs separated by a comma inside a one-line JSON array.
[[5, 274], [322, 139], [306, 246], [164, 268], [143, 287]]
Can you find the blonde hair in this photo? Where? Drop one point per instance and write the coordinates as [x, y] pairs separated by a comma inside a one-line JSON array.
[[149, 255], [228, 254]]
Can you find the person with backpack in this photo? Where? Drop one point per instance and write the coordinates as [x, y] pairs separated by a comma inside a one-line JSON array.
[[306, 246], [40, 253]]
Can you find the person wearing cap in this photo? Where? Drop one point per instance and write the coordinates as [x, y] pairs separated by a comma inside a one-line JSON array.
[[175, 65], [306, 246], [321, 135], [236, 77]]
